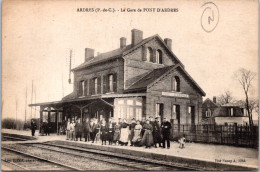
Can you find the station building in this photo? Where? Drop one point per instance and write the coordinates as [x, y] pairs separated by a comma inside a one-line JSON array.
[[142, 79]]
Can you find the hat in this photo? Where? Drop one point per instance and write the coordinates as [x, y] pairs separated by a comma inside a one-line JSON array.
[[156, 118], [133, 118]]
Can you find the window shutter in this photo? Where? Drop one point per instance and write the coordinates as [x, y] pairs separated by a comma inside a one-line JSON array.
[[144, 52], [77, 88], [86, 91], [105, 84], [80, 88], [91, 86], [160, 58], [154, 56], [115, 82], [173, 84], [99, 85]]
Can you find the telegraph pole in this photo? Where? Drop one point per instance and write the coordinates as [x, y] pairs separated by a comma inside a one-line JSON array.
[[25, 105], [16, 113], [31, 99], [35, 101]]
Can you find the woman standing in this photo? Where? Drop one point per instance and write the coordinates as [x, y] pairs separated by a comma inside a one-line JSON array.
[[116, 133], [124, 133], [147, 139], [137, 134]]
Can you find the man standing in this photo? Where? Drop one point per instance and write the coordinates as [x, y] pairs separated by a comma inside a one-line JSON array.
[[166, 130], [157, 132], [86, 130], [72, 130], [78, 129], [92, 130], [132, 130], [68, 129], [33, 127]]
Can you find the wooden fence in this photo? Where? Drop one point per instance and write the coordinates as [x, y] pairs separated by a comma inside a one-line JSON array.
[[218, 134]]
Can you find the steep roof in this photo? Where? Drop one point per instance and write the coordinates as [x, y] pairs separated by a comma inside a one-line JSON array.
[[156, 75], [208, 99], [149, 78], [120, 52]]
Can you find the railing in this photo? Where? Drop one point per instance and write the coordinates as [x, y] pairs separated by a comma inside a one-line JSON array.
[[218, 134]]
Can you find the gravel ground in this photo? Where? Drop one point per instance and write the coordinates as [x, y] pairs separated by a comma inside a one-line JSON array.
[[74, 161]]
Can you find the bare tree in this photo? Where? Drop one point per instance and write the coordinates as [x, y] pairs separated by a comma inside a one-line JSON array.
[[225, 98], [245, 78]]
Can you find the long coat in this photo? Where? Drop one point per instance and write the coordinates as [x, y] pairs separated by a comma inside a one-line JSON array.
[[103, 130], [147, 139], [157, 136]]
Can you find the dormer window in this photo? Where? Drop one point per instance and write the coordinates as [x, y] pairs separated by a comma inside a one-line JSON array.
[[159, 56], [176, 83]]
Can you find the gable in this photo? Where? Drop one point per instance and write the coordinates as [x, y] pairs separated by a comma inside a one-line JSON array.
[[141, 52], [187, 84], [208, 104]]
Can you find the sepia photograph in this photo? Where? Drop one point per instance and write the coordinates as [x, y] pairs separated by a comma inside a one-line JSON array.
[[130, 85]]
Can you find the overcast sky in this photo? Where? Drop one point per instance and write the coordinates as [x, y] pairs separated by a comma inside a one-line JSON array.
[[37, 37]]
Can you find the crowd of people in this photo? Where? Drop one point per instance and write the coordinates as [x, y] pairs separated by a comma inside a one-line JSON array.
[[148, 132]]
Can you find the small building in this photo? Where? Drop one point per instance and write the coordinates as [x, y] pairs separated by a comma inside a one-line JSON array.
[[142, 79], [230, 114], [208, 107]]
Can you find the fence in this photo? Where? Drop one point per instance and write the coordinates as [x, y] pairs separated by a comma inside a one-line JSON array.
[[218, 134]]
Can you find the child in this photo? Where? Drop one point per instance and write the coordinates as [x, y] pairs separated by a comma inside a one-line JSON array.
[[182, 141]]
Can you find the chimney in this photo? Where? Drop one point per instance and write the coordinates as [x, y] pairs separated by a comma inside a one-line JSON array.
[[214, 99], [137, 36], [168, 42], [122, 42], [89, 54]]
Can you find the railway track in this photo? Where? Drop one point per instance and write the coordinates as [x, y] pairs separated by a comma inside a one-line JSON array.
[[78, 158], [10, 138], [138, 163], [17, 160]]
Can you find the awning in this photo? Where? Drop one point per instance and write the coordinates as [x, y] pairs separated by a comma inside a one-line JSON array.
[[103, 96]]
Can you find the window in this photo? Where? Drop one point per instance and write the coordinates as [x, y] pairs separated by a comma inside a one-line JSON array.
[[149, 55], [110, 83], [96, 85], [86, 89], [159, 56], [138, 112], [208, 113], [81, 88], [176, 83], [231, 112], [159, 109]]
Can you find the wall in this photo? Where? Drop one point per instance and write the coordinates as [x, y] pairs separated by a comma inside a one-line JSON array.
[[136, 67], [208, 104], [112, 66], [238, 120], [154, 96]]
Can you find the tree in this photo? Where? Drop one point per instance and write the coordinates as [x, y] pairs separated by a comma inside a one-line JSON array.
[[245, 78], [225, 98]]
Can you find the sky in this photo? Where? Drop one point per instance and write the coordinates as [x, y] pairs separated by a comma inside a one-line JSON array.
[[38, 35]]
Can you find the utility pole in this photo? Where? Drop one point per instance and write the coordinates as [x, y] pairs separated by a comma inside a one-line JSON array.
[[25, 105], [16, 113], [35, 101], [31, 99], [70, 67]]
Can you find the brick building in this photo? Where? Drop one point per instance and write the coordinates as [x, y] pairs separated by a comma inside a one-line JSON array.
[[208, 107], [138, 80]]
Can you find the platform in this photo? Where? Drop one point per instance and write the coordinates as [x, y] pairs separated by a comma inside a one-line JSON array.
[[202, 154]]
